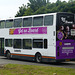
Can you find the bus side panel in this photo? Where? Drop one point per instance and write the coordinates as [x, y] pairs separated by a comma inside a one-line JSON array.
[[51, 42]]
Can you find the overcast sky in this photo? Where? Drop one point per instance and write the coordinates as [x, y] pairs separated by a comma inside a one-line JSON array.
[[9, 8]]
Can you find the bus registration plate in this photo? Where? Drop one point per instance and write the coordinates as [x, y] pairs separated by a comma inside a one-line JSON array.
[[67, 59]]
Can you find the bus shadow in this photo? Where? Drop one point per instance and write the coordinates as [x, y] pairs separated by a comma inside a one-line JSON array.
[[47, 63], [63, 64]]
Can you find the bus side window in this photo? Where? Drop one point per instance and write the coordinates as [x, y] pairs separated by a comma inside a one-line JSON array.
[[37, 43], [38, 21], [18, 22], [27, 22], [2, 24], [27, 44], [45, 43], [8, 42], [48, 20], [9, 24], [17, 43]]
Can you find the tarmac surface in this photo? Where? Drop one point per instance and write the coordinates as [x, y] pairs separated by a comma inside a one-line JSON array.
[[4, 60]]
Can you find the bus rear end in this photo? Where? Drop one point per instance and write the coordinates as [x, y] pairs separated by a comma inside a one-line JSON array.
[[65, 37]]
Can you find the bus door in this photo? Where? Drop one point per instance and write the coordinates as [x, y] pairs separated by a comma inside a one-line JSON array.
[[1, 46]]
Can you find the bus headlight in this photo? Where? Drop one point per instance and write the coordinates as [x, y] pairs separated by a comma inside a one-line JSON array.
[[60, 43], [4, 51]]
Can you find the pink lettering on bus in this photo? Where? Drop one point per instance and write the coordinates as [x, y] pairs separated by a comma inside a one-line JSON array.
[[33, 30]]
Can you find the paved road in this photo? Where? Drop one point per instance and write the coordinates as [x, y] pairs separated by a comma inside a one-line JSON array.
[[4, 60]]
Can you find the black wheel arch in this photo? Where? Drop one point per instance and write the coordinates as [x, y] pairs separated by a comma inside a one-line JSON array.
[[37, 53], [7, 52]]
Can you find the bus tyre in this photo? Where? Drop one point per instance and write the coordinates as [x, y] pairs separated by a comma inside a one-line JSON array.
[[8, 55], [38, 58]]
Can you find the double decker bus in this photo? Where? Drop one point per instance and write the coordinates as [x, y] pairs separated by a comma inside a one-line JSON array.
[[41, 38]]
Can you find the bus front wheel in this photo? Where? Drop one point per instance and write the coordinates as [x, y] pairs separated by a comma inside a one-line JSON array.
[[8, 55], [38, 58]]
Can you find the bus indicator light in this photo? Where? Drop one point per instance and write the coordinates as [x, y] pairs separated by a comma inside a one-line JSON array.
[[60, 43]]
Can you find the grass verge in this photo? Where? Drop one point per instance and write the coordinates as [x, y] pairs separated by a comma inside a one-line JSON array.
[[16, 69]]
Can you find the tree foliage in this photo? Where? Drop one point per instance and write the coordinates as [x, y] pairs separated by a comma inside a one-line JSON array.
[[21, 11], [44, 6], [36, 4]]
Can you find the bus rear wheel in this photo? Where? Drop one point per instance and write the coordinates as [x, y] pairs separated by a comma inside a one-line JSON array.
[[38, 58], [8, 55]]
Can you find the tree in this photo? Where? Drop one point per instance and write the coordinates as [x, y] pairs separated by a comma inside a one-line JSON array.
[[71, 0], [21, 11], [36, 4], [41, 10], [29, 11], [44, 6]]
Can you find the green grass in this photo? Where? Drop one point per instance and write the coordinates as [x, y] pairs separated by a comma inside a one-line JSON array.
[[15, 69]]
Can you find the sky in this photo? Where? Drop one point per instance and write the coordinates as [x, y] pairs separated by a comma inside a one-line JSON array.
[[9, 8]]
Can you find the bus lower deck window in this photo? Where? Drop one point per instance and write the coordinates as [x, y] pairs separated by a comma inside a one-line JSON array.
[[37, 43], [17, 43], [45, 43], [8, 42], [27, 44]]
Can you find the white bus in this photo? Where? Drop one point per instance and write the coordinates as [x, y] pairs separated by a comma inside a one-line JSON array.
[[40, 38]]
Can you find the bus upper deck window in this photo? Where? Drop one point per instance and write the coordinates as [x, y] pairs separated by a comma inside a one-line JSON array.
[[9, 24], [27, 22], [2, 24], [18, 22], [38, 21], [48, 20]]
